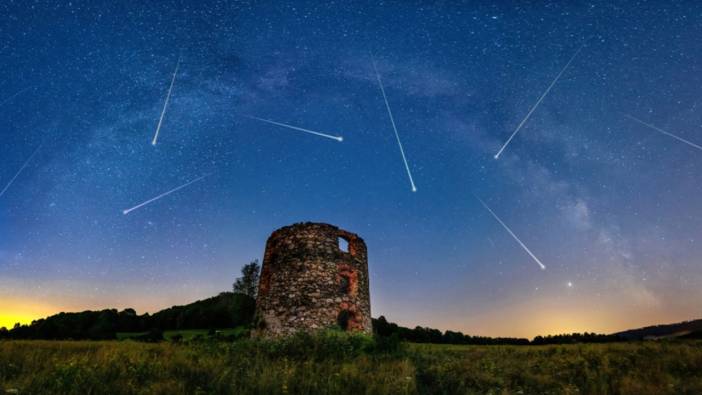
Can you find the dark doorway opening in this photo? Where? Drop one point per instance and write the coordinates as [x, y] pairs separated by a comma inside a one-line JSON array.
[[343, 319]]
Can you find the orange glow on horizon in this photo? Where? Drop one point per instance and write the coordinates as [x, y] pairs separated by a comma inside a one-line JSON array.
[[541, 316], [12, 312], [538, 316]]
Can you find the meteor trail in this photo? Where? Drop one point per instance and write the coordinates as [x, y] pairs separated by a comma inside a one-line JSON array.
[[541, 265], [129, 210], [15, 95], [19, 171], [392, 121], [691, 144], [497, 155], [165, 104], [337, 138]]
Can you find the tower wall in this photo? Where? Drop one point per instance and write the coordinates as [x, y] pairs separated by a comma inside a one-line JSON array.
[[309, 283]]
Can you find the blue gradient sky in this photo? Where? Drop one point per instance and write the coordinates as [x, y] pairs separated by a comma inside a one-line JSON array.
[[610, 206]]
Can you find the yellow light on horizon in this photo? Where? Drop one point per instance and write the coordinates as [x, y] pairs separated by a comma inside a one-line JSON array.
[[9, 320], [12, 312]]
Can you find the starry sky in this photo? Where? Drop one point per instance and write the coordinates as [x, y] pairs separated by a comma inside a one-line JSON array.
[[609, 204]]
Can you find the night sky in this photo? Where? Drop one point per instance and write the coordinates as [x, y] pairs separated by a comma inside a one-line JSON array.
[[611, 206]]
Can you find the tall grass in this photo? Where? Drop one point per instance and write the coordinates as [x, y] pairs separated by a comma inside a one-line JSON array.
[[621, 368], [339, 364]]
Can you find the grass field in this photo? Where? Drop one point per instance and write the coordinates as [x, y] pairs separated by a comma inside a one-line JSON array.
[[187, 334], [336, 364]]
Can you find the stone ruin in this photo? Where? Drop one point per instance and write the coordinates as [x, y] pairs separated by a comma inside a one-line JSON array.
[[314, 276]]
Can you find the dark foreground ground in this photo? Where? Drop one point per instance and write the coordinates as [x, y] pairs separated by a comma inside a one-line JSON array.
[[335, 364]]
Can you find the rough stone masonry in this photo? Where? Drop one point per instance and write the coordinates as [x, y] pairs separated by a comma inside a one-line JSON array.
[[314, 276]]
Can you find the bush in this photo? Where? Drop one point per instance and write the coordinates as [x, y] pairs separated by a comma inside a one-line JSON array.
[[319, 346], [388, 345], [177, 338], [153, 335]]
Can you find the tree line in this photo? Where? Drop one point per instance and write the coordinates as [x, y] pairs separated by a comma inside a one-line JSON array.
[[237, 308], [226, 310], [383, 328]]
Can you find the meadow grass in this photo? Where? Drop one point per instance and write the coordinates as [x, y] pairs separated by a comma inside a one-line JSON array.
[[338, 364], [186, 334]]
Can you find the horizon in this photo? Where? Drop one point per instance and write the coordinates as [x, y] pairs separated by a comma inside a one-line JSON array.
[[514, 171], [408, 325]]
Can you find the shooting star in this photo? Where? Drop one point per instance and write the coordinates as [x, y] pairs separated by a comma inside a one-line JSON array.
[[392, 121], [15, 95], [541, 265], [533, 108], [129, 210], [690, 143], [19, 171], [329, 136], [165, 104]]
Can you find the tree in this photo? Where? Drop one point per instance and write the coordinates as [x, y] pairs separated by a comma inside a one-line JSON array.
[[247, 284]]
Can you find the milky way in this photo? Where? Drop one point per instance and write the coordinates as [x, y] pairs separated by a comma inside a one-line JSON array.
[[610, 204]]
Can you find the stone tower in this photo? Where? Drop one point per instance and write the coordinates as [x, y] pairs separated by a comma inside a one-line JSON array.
[[314, 276]]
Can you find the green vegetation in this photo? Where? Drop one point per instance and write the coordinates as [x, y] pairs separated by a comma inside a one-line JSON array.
[[337, 363], [186, 334], [247, 284]]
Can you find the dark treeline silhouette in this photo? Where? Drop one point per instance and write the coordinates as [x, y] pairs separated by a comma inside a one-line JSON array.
[[577, 338], [693, 328], [226, 310], [229, 310], [383, 328], [693, 335], [232, 309]]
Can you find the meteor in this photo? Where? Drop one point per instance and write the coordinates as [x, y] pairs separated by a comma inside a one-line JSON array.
[[533, 108], [15, 95], [165, 104], [541, 265], [337, 138], [129, 210], [19, 171], [392, 121], [691, 144]]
